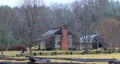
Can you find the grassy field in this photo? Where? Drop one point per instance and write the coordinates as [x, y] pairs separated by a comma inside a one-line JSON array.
[[110, 56], [113, 55]]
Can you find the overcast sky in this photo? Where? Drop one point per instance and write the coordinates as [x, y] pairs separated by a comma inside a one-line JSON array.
[[13, 3]]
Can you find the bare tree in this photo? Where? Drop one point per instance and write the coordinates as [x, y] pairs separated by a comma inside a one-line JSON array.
[[110, 29], [30, 13], [4, 26], [85, 19]]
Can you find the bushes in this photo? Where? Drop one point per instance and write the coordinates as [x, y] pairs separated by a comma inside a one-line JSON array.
[[54, 53], [18, 47]]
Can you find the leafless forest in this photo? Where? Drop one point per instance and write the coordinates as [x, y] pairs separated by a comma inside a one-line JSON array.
[[24, 24]]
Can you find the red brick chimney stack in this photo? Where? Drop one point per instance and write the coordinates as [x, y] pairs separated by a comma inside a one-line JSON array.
[[64, 38]]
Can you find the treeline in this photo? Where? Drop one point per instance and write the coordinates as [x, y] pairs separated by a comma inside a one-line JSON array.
[[24, 24]]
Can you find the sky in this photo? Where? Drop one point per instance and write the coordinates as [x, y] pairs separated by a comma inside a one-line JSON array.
[[14, 3]]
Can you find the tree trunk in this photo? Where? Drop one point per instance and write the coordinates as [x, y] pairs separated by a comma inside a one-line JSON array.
[[1, 52], [30, 50], [86, 47]]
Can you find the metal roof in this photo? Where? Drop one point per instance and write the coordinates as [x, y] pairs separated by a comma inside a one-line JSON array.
[[87, 39]]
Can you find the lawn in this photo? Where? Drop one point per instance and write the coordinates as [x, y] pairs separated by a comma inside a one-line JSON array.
[[111, 56]]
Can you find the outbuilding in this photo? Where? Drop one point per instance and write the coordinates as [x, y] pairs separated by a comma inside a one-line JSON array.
[[91, 41]]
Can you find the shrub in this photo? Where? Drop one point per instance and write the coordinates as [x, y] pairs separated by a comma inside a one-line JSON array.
[[34, 54], [54, 53], [17, 47]]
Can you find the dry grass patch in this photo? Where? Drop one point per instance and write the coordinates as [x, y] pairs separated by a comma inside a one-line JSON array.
[[59, 61], [109, 56]]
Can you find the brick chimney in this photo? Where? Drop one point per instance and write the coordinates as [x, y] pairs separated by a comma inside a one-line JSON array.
[[64, 38]]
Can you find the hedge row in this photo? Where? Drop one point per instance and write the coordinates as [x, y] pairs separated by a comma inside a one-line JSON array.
[[49, 53], [55, 53], [61, 53]]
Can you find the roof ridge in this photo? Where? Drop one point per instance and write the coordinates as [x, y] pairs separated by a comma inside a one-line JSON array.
[[56, 28]]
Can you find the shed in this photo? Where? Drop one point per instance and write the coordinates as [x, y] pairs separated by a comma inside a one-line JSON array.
[[92, 41]]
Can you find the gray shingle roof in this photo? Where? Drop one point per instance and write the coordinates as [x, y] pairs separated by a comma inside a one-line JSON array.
[[51, 32]]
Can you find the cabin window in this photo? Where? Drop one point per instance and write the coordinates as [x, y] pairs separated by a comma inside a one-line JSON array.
[[51, 42]]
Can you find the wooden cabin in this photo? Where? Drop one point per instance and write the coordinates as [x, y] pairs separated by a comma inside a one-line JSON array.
[[56, 38]]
